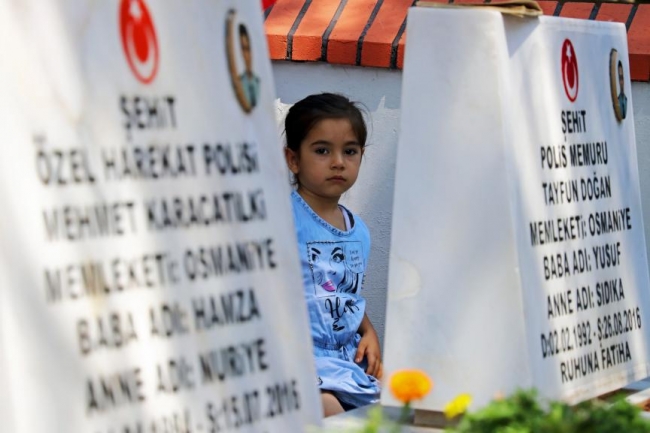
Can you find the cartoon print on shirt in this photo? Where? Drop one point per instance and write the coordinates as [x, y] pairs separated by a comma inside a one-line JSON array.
[[337, 267]]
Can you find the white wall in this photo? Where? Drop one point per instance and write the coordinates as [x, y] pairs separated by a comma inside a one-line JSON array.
[[372, 197]]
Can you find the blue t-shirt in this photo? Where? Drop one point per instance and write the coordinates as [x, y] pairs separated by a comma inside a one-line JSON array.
[[333, 266]]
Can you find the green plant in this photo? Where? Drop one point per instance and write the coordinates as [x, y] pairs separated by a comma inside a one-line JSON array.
[[524, 412]]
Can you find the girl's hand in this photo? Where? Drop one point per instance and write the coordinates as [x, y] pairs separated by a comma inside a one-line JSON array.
[[369, 348]]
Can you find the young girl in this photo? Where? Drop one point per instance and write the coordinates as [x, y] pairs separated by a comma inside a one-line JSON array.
[[326, 137]]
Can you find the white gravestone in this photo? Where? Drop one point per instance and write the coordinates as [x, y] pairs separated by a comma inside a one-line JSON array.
[[149, 278], [517, 255]]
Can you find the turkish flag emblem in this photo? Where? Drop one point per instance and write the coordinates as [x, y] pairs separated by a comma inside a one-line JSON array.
[[570, 76], [139, 39]]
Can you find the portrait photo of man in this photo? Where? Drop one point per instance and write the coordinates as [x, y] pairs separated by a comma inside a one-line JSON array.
[[249, 81], [246, 83], [617, 86]]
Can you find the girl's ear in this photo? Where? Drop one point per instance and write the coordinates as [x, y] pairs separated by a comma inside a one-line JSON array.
[[292, 160]]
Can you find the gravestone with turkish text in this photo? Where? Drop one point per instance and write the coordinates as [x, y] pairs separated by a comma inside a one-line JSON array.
[[149, 278], [518, 256]]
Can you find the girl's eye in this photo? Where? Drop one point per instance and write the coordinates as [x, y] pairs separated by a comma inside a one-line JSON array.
[[351, 151], [320, 151]]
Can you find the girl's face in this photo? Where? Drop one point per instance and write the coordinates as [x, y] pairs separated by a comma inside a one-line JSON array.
[[327, 163]]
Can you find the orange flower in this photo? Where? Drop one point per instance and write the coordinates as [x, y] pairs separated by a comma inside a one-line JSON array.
[[408, 385]]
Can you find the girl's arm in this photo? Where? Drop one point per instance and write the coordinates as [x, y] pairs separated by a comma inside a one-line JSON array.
[[369, 347]]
